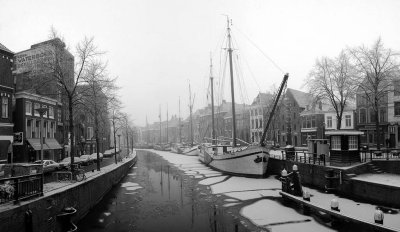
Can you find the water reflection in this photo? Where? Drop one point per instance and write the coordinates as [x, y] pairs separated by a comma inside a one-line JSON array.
[[182, 207]]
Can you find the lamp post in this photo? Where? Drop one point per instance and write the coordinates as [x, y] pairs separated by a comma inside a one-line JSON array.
[[41, 111]]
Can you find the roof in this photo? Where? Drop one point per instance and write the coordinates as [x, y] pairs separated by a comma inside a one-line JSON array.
[[262, 98], [303, 99], [316, 108], [3, 48]]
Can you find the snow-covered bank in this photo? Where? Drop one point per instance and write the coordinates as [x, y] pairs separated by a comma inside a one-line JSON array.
[[256, 198]]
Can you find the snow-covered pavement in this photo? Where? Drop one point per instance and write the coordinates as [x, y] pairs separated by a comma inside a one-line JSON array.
[[258, 199]]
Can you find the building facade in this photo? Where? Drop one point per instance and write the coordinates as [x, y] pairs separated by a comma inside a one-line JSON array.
[[6, 95], [30, 124]]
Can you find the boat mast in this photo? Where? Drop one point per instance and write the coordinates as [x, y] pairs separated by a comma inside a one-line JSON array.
[[148, 132], [212, 104], [180, 129], [160, 122], [191, 119], [167, 123], [283, 84], [232, 85]]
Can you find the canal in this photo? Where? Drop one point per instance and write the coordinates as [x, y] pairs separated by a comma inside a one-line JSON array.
[[157, 196], [171, 192]]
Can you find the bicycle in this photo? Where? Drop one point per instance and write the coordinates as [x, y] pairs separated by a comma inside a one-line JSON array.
[[78, 174]]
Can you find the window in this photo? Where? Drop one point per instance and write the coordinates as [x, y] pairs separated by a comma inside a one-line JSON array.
[[397, 109], [4, 107], [59, 115], [51, 112], [28, 108], [89, 134], [256, 123], [353, 142], [382, 115], [363, 116], [308, 122], [396, 84], [261, 123], [336, 142], [36, 106], [28, 129], [45, 113], [348, 120], [313, 121], [37, 129], [252, 124], [329, 122], [371, 115]]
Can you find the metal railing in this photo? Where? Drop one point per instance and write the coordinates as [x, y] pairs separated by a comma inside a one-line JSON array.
[[14, 189], [303, 157], [382, 154]]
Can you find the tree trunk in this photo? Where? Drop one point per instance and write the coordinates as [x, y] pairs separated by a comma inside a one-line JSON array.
[[115, 142], [96, 124], [377, 135], [71, 131]]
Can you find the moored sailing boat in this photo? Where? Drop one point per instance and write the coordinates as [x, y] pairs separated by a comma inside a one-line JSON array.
[[192, 149], [238, 160]]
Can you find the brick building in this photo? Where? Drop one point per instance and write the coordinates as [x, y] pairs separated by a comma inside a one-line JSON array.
[[6, 95]]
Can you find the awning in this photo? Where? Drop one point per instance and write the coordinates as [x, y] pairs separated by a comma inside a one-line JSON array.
[[52, 144], [49, 144]]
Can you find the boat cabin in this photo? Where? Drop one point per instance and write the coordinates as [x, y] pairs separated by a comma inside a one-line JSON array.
[[344, 147]]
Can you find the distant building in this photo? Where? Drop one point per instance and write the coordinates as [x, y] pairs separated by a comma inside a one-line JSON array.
[[258, 116], [6, 95], [312, 121], [394, 115]]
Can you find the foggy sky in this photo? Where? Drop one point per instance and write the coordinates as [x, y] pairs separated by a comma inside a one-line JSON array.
[[156, 47]]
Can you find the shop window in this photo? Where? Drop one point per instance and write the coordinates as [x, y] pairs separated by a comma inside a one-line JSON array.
[[353, 142], [336, 142]]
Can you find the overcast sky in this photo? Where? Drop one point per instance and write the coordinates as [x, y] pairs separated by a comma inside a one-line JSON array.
[[155, 47]]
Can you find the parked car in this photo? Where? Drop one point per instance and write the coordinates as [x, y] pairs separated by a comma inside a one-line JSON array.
[[49, 165], [86, 159], [109, 153], [65, 163], [94, 156]]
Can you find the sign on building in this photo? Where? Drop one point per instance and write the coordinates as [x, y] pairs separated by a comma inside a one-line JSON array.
[[19, 138]]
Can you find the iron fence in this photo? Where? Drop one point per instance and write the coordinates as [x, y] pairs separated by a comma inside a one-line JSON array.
[[14, 189]]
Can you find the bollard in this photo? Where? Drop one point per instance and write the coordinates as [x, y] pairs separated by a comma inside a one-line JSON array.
[[306, 197], [284, 180], [335, 205], [378, 216]]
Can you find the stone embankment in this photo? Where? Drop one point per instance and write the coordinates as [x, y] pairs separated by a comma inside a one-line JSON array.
[[40, 214]]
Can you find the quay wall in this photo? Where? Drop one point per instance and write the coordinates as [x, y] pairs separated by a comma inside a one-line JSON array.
[[315, 176], [81, 195]]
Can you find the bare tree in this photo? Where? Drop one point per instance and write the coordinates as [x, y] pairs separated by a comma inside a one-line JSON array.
[[58, 75], [377, 68], [116, 116], [96, 92], [334, 81]]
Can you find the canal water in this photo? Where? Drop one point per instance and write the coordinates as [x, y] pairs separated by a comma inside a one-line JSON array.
[[156, 196], [171, 192]]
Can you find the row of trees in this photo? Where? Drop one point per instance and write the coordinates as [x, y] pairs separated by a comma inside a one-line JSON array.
[[365, 71], [90, 89]]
